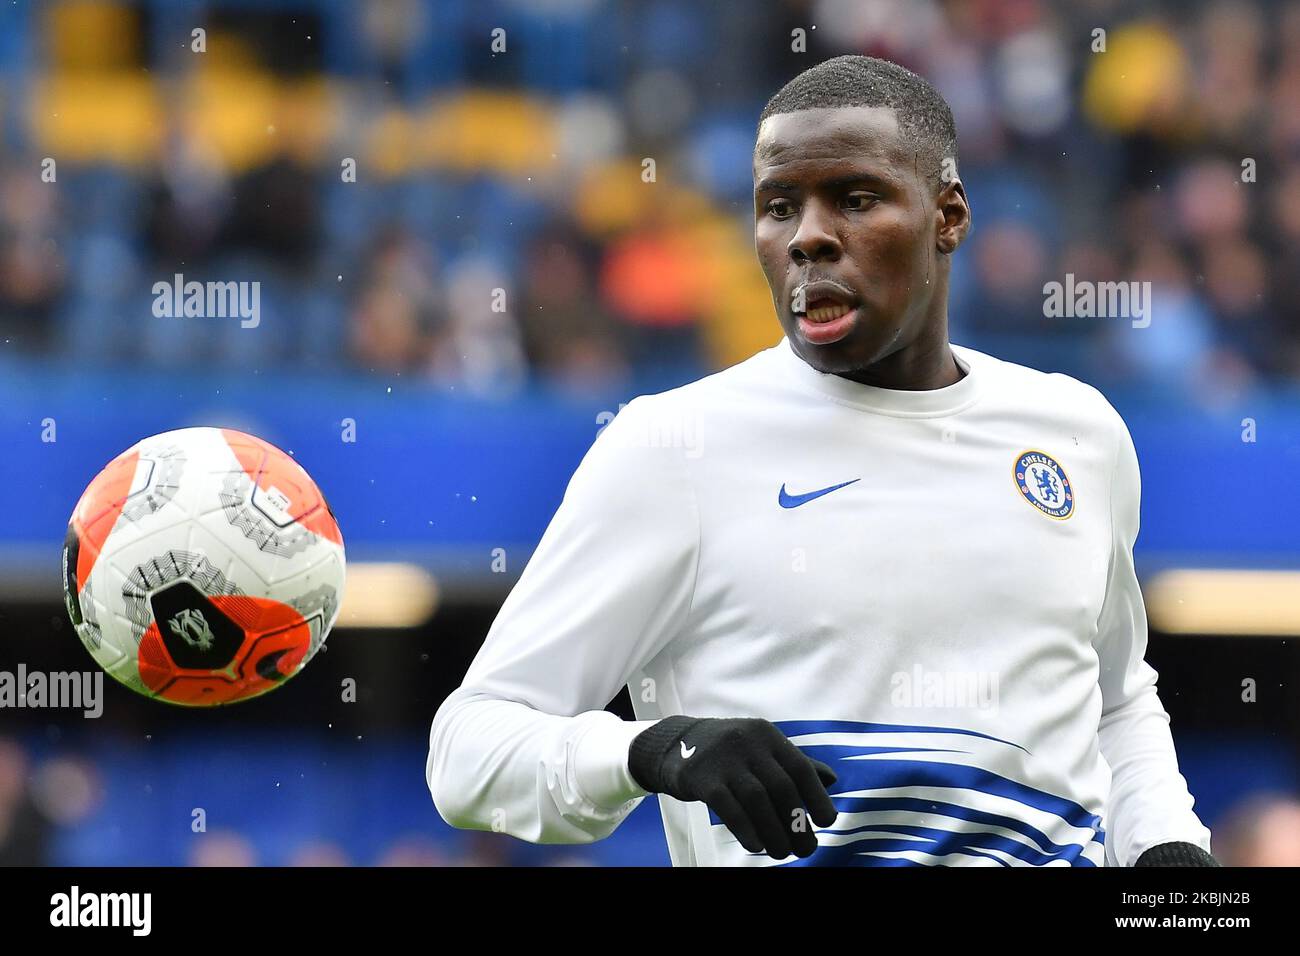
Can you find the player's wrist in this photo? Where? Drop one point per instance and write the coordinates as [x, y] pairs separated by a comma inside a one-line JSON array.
[[648, 750], [600, 761]]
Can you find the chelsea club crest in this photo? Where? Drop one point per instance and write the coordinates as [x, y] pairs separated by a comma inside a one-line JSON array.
[[1043, 483]]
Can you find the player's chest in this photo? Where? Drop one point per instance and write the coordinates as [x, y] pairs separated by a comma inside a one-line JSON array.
[[965, 523]]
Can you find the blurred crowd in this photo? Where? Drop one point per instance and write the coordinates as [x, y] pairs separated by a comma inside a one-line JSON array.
[[573, 205], [77, 807]]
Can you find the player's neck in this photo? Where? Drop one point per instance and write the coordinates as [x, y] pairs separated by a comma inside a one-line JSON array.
[[920, 366]]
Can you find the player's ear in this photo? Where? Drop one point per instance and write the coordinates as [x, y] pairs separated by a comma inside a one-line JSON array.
[[954, 216]]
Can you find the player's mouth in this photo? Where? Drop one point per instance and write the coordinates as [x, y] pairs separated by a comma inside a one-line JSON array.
[[830, 311]]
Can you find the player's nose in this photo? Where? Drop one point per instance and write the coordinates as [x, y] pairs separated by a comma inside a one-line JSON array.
[[815, 239]]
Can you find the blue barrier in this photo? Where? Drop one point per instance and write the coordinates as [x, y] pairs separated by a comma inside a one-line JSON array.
[[442, 478]]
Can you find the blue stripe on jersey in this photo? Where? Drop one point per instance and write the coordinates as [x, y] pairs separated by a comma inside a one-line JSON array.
[[797, 728], [949, 844], [922, 806], [949, 841], [927, 834], [883, 774]]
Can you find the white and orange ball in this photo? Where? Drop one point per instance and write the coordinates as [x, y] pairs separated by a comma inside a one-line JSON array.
[[203, 566]]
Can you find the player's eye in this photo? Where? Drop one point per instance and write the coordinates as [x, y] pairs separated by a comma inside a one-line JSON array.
[[858, 201], [780, 209]]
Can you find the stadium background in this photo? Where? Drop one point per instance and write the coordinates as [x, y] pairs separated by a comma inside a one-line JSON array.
[[522, 170]]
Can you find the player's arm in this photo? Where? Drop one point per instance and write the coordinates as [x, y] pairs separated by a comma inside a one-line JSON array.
[[524, 746], [1150, 816]]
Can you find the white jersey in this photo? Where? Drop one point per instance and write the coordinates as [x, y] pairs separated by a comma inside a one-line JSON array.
[[932, 591]]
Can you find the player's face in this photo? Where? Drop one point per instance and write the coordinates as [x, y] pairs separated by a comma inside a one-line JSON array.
[[845, 226]]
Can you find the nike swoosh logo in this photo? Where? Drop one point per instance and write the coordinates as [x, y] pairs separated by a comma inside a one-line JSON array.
[[788, 500], [687, 754]]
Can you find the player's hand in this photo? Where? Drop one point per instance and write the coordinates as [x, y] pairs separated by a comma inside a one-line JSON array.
[[760, 785]]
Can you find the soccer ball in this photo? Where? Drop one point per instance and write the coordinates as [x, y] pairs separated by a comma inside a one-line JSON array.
[[203, 566]]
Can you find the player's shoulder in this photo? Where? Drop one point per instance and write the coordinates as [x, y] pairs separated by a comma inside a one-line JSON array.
[[715, 390], [670, 424], [1078, 401]]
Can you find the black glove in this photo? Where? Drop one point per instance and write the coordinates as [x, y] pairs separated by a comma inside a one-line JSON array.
[[1176, 854], [746, 771]]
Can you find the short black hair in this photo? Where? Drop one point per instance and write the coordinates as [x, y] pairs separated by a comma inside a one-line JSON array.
[[922, 113]]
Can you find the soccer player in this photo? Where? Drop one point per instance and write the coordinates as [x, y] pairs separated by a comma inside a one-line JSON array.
[[866, 579]]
